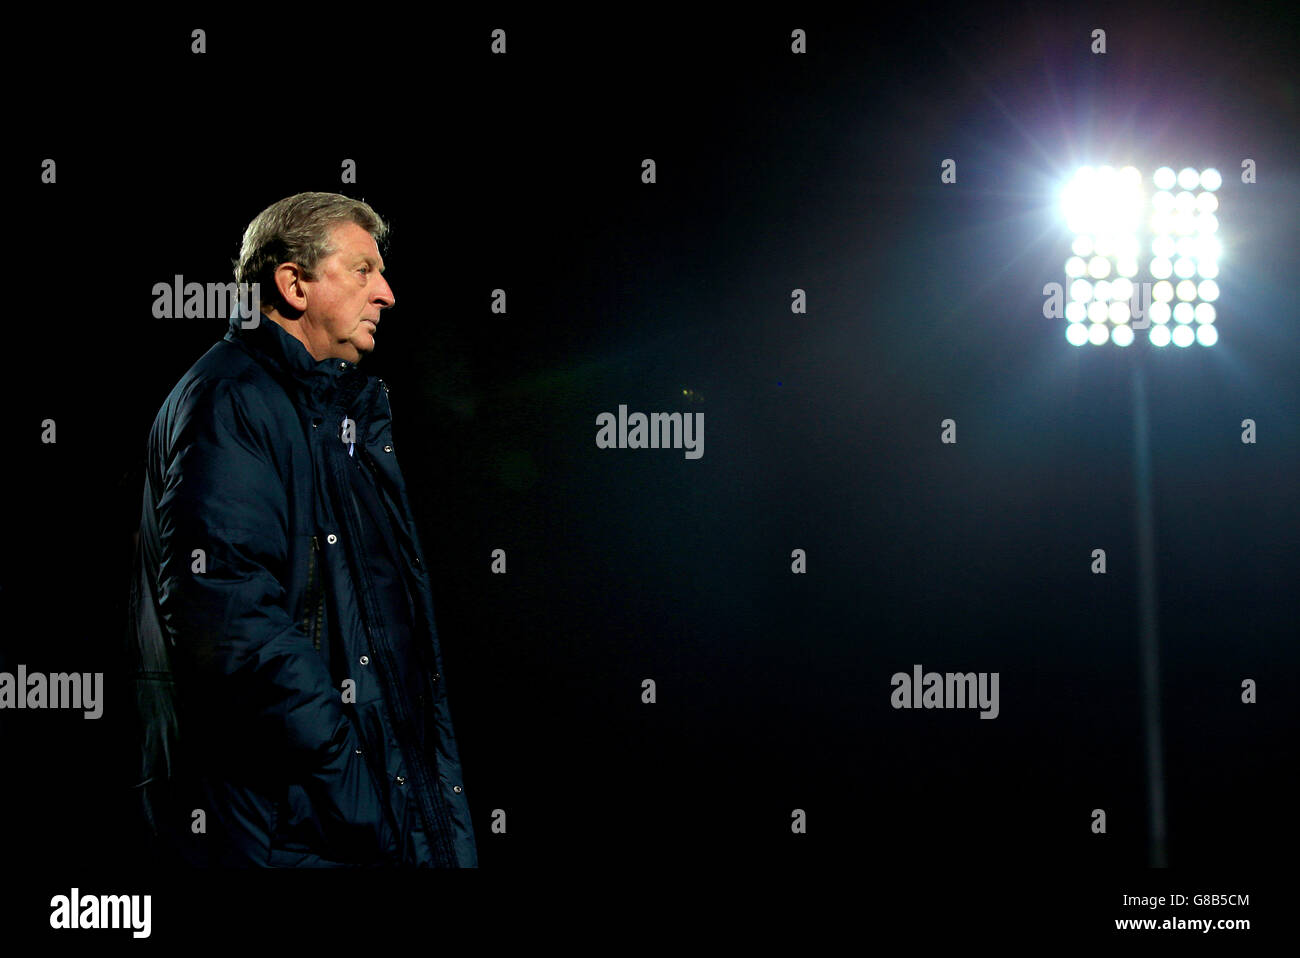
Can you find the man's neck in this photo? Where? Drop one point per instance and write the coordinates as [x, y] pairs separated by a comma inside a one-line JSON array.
[[295, 328]]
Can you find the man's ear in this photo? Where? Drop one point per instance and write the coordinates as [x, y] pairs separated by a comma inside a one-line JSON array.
[[289, 284]]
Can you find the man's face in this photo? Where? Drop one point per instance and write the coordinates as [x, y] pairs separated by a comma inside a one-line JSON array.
[[344, 300]]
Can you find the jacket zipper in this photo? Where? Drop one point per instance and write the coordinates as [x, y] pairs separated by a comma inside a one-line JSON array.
[[429, 800], [311, 624]]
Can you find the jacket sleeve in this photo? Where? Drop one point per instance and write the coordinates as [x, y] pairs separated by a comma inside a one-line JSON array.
[[252, 690]]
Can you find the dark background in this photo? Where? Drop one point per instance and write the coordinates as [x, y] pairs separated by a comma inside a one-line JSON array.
[[822, 430]]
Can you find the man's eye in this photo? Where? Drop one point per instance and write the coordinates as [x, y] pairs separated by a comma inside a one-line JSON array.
[[365, 269]]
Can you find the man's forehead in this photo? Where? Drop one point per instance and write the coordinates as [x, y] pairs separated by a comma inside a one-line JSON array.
[[352, 241]]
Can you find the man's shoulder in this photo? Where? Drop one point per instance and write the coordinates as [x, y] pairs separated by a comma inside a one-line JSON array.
[[224, 379]]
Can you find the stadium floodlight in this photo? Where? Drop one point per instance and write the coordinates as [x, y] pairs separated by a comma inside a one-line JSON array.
[[1144, 244], [1155, 233]]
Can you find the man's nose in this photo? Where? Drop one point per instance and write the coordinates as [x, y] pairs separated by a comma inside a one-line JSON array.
[[384, 293]]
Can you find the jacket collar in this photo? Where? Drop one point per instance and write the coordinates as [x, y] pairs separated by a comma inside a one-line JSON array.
[[317, 383]]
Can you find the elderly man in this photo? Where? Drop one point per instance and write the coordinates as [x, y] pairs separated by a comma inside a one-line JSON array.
[[285, 660]]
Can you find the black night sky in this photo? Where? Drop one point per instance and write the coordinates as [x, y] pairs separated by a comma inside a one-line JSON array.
[[775, 171]]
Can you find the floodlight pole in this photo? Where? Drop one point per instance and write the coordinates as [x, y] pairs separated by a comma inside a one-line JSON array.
[[1149, 632]]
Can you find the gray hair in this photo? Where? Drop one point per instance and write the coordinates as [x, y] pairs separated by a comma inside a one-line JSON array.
[[297, 230]]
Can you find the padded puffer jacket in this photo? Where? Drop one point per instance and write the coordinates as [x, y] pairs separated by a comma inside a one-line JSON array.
[[275, 723]]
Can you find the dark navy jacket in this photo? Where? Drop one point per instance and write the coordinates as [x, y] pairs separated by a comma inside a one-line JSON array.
[[291, 712]]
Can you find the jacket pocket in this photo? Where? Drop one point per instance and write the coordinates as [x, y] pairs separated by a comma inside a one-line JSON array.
[[342, 813], [295, 828]]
